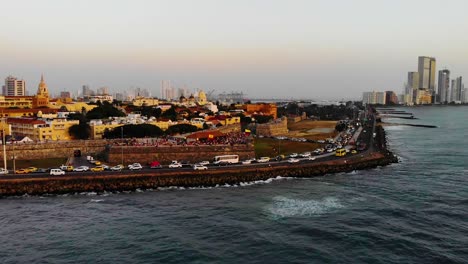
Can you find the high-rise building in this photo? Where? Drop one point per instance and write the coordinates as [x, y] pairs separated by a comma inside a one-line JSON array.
[[443, 88], [391, 98], [373, 98], [426, 69], [412, 86], [102, 90], [457, 90], [14, 87], [87, 91]]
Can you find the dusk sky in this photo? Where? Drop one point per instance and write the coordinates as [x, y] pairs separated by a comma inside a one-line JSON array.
[[283, 49]]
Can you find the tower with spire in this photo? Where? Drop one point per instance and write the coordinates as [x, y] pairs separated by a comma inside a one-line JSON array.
[[41, 99]]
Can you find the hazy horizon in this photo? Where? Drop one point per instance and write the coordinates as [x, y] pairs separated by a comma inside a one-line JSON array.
[[266, 49]]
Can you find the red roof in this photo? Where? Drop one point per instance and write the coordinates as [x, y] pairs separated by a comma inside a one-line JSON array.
[[32, 121]]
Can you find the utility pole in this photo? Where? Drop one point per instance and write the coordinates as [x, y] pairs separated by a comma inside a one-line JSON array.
[[4, 143], [121, 134]]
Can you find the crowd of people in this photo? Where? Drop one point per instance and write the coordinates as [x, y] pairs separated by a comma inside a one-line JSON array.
[[233, 138]]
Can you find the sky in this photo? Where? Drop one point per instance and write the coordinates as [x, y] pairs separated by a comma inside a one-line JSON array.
[[294, 49]]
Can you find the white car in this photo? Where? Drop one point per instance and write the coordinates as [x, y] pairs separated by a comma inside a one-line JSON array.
[[293, 160], [57, 172], [306, 154], [293, 155], [199, 167], [3, 171], [310, 158], [135, 166], [117, 167], [249, 161], [175, 164], [263, 159], [204, 163], [81, 168]]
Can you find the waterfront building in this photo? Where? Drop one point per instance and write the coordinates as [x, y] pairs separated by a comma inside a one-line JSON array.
[[457, 88], [443, 88], [14, 87], [412, 86], [391, 97], [426, 69], [373, 98]]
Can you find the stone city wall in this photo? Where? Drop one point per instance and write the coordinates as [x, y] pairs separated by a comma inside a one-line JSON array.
[[274, 128], [165, 154]]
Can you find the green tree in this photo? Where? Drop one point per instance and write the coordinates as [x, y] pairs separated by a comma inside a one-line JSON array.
[[181, 129], [134, 131], [104, 110], [170, 113], [80, 131], [262, 119]]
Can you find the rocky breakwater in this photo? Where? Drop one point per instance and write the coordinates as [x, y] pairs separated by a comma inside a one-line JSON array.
[[125, 181]]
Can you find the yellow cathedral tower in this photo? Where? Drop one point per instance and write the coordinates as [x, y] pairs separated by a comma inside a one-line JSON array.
[[41, 99]]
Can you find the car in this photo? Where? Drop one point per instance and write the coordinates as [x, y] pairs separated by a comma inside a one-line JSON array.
[[155, 165], [278, 158], [106, 167], [175, 164], [293, 160], [57, 172], [293, 155], [306, 154], [66, 168], [32, 169], [81, 168], [310, 158], [353, 151], [117, 167], [3, 171], [22, 171], [204, 163], [95, 162], [97, 169], [42, 170], [199, 167], [263, 159], [135, 166]]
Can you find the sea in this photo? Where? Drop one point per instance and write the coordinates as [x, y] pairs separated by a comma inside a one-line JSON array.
[[415, 211]]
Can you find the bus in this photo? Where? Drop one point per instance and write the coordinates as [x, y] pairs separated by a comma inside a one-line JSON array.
[[226, 159], [340, 152]]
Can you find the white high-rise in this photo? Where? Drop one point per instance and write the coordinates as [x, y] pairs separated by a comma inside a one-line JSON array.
[[443, 88], [14, 87]]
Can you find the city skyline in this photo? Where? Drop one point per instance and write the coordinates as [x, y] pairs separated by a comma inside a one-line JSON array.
[[309, 49]]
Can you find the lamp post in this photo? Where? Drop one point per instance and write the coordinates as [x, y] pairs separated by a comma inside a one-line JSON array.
[[121, 134]]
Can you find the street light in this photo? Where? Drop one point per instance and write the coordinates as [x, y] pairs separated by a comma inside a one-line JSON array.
[[121, 134]]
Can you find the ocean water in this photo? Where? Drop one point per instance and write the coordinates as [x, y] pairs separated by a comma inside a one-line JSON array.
[[415, 211]]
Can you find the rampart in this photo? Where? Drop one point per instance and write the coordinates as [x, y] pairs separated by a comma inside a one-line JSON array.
[[165, 153]]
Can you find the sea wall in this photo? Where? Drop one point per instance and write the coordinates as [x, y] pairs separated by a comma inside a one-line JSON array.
[[126, 181], [53, 149]]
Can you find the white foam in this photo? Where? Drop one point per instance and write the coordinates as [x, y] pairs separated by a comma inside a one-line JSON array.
[[96, 200], [286, 207]]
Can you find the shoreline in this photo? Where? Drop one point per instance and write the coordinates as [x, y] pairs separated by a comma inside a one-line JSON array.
[[128, 181]]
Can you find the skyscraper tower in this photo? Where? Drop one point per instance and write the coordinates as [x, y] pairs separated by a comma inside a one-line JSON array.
[[443, 88], [426, 69], [14, 87]]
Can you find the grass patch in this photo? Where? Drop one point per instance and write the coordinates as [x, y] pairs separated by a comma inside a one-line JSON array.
[[271, 147]]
